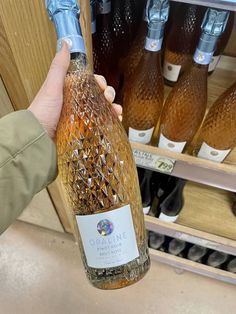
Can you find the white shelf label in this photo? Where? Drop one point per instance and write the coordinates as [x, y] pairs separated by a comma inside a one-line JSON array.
[[172, 146], [171, 71], [140, 136], [148, 160], [207, 152], [108, 238]]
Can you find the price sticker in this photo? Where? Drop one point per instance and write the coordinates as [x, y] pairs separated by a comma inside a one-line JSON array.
[[151, 161]]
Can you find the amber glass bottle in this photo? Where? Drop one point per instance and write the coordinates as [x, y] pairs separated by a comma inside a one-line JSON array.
[[181, 41], [223, 40], [144, 92], [185, 106], [93, 156], [218, 133], [136, 50], [107, 63]]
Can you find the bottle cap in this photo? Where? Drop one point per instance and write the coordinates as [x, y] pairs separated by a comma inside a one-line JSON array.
[[65, 15], [103, 6], [213, 25], [157, 12]]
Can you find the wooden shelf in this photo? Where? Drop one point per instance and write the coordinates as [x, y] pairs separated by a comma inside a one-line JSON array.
[[188, 265], [206, 219], [221, 4], [208, 209]]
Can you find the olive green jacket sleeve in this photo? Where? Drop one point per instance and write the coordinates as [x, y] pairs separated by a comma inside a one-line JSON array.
[[28, 163]]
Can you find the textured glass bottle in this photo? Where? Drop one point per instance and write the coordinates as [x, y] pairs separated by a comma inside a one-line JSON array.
[[93, 156], [181, 41], [185, 106], [136, 50], [218, 133], [222, 43], [107, 63], [144, 92]]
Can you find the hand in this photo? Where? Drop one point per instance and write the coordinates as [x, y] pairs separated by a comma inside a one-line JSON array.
[[48, 102]]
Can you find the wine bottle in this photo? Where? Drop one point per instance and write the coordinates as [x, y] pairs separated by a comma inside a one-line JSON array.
[[120, 35], [93, 156], [217, 136], [93, 6], [196, 253], [176, 247], [222, 43], [232, 266], [136, 50], [181, 41], [185, 105], [107, 64], [144, 93], [156, 241], [130, 19], [216, 259], [172, 204], [146, 191]]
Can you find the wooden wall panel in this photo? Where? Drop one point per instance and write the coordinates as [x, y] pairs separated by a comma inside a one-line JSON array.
[[31, 38]]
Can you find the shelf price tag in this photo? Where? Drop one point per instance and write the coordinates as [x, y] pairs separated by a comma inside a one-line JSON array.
[[151, 161]]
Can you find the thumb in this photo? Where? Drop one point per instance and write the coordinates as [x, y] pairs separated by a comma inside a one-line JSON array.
[[58, 69]]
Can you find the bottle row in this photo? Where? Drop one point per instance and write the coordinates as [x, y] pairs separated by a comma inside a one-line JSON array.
[[192, 252], [179, 118], [163, 195]]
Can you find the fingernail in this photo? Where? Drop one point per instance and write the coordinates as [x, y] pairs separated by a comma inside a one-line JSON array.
[[111, 92]]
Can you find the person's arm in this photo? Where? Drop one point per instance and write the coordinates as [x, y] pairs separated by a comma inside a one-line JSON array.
[[28, 160], [27, 163]]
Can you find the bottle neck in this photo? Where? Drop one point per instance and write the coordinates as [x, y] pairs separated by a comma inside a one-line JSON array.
[[78, 63], [205, 49], [154, 37], [68, 29]]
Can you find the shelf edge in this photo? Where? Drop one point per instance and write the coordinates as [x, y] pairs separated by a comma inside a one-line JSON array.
[[191, 235], [194, 267]]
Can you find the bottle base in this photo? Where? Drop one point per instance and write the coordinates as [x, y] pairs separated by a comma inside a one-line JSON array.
[[122, 281]]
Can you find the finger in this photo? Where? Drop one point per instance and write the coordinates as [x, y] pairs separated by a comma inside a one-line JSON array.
[[58, 69], [101, 81], [110, 94], [120, 118], [118, 109]]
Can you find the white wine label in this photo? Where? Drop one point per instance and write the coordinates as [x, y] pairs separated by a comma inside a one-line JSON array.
[[140, 136], [202, 57], [146, 210], [207, 152], [171, 71], [165, 143], [155, 162], [214, 61], [168, 218], [153, 44], [108, 238]]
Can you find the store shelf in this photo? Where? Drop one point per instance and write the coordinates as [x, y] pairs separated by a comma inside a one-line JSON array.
[[206, 220], [221, 4], [189, 167], [188, 265]]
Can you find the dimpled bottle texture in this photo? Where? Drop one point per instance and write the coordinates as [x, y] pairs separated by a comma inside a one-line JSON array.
[[97, 169], [219, 128], [182, 40]]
